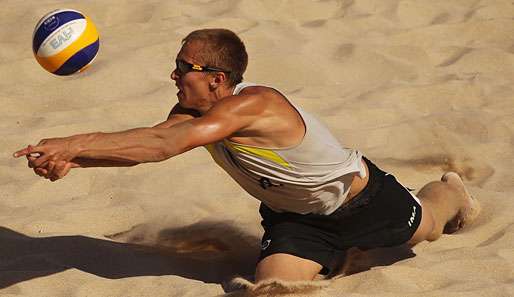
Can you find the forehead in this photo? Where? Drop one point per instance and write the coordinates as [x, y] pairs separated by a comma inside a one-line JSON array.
[[190, 52]]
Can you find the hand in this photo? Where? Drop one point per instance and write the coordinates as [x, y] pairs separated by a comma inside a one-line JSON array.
[[54, 170], [54, 149], [51, 157]]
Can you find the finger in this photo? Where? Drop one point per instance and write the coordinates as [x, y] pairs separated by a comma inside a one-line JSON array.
[[37, 171], [54, 177], [34, 151], [31, 161], [59, 166], [63, 169], [33, 156], [44, 165], [41, 171], [56, 169], [23, 152], [51, 167], [39, 162]]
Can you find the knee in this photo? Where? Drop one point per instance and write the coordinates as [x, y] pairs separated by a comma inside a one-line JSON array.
[[286, 267]]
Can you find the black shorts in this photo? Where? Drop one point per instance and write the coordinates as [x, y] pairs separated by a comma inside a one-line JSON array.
[[384, 214]]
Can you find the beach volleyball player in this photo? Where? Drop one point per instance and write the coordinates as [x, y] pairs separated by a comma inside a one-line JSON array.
[[319, 198]]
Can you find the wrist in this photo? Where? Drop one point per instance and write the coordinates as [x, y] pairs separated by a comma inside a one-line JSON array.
[[78, 143]]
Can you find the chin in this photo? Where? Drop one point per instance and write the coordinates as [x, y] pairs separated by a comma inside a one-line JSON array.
[[180, 98], [183, 103]]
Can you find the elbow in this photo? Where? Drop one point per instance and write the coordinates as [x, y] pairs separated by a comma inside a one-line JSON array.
[[168, 144], [171, 150], [163, 153]]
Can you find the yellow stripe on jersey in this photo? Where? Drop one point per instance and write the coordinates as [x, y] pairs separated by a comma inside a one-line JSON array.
[[263, 153]]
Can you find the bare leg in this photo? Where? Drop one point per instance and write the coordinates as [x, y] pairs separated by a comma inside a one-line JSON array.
[[286, 267], [280, 275], [447, 207]]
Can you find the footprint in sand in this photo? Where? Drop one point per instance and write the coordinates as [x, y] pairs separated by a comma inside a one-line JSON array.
[[455, 56], [473, 170]]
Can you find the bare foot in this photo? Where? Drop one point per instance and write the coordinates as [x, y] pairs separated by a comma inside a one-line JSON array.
[[470, 207]]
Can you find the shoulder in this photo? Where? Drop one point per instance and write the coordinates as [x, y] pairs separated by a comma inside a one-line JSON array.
[[251, 100], [256, 109], [239, 111], [261, 91]]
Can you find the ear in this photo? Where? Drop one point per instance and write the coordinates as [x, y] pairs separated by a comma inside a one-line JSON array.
[[217, 79]]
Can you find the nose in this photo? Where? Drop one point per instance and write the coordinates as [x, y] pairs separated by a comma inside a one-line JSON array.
[[174, 75]]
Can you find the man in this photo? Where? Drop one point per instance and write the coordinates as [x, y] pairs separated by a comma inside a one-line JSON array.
[[318, 198]]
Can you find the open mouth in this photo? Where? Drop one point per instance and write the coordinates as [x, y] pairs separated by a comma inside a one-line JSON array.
[[179, 93]]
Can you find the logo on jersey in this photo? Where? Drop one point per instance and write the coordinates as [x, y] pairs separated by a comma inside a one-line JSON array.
[[266, 183]]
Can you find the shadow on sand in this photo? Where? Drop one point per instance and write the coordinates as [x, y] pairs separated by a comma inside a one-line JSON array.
[[212, 252], [206, 251], [355, 261]]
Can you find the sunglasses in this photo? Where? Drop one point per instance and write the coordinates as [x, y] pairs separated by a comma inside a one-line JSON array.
[[184, 67]]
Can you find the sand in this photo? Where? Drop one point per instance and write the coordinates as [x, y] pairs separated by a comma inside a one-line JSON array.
[[421, 87]]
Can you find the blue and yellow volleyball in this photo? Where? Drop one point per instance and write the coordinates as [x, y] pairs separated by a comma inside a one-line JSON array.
[[65, 41]]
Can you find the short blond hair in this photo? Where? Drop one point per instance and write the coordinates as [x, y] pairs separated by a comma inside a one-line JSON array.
[[221, 49]]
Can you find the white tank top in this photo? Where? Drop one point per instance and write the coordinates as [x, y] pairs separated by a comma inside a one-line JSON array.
[[311, 177]]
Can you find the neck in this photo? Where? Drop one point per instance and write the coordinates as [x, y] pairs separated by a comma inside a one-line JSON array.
[[223, 92], [217, 95]]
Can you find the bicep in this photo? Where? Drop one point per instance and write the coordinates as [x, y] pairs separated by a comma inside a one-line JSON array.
[[211, 129], [229, 116], [221, 121]]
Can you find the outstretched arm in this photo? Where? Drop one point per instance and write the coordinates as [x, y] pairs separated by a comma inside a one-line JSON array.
[[53, 170], [143, 145], [133, 146], [177, 115]]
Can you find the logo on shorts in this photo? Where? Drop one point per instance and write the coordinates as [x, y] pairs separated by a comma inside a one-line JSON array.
[[412, 216], [265, 244]]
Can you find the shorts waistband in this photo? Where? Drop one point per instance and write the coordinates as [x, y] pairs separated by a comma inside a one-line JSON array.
[[375, 181]]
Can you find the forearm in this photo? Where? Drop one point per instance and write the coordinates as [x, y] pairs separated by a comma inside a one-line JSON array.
[[138, 145], [86, 163]]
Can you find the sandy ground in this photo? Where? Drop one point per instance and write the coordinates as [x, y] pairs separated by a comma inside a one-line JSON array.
[[420, 87]]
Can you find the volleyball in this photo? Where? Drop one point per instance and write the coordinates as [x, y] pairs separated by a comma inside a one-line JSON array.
[[65, 41]]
